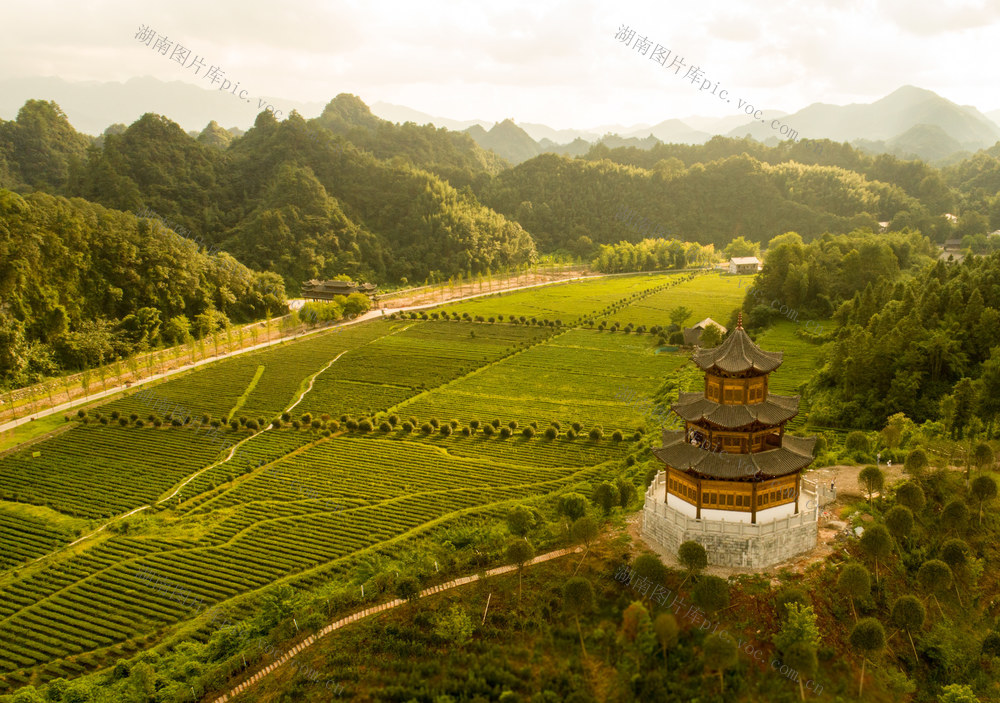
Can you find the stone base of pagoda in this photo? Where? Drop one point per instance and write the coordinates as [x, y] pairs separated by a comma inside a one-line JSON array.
[[730, 543]]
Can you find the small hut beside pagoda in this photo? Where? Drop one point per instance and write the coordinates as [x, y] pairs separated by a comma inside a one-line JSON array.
[[732, 477]]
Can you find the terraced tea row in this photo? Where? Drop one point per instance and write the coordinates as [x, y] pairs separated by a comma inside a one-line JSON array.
[[575, 377], [117, 603], [94, 471], [24, 539], [215, 388], [341, 469], [714, 295], [567, 302], [420, 355]]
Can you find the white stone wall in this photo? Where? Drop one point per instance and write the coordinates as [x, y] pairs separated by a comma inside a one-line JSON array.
[[730, 542]]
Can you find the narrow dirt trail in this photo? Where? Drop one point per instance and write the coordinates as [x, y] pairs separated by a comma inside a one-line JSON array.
[[343, 622]]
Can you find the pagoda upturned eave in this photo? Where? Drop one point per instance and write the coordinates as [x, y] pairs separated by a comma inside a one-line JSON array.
[[737, 354], [775, 410], [794, 454]]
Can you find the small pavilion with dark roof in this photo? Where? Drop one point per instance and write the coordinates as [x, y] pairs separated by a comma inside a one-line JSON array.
[[732, 478]]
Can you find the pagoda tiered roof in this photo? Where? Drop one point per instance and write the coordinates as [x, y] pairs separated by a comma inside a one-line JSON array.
[[776, 409], [737, 354], [795, 453]]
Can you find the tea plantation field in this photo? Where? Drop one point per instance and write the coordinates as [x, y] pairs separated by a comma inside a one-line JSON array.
[[344, 446]]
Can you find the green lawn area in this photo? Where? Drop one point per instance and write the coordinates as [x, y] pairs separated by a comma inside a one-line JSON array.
[[561, 301], [712, 295], [802, 359]]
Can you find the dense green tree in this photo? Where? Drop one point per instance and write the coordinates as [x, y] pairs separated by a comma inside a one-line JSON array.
[[520, 520], [666, 629], [867, 639], [854, 582], [605, 496], [692, 557], [908, 614], [711, 594], [872, 479], [578, 599], [899, 520], [720, 654], [911, 495], [520, 552], [877, 544], [573, 505], [983, 489]]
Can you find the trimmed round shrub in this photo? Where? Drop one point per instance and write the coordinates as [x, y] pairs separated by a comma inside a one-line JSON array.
[[512, 424], [496, 422], [286, 417], [407, 426], [466, 431], [351, 424], [617, 436], [138, 423], [427, 428], [505, 432], [577, 427], [177, 422], [528, 432], [384, 426], [551, 433], [434, 422], [571, 433], [489, 430], [446, 430], [252, 425], [596, 433], [474, 424], [316, 424], [365, 425]]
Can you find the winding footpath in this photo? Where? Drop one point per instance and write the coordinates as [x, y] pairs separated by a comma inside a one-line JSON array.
[[343, 622]]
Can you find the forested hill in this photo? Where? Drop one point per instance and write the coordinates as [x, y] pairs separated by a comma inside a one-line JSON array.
[[80, 283], [350, 194], [559, 199], [294, 198], [454, 156]]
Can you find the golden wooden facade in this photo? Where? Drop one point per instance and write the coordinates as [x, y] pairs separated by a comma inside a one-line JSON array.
[[736, 391], [740, 496]]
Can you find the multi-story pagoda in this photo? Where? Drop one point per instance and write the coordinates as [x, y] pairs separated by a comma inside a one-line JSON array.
[[732, 462]]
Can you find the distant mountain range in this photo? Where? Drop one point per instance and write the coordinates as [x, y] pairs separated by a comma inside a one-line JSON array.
[[909, 123]]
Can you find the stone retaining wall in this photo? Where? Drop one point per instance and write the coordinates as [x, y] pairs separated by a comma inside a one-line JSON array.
[[733, 544]]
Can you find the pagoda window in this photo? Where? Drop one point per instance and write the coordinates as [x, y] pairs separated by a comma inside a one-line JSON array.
[[729, 499]]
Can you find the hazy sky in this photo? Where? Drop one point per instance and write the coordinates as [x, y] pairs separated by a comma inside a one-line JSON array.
[[549, 61]]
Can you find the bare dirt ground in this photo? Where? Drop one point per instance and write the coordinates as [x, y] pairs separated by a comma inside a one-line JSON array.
[[830, 527]]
